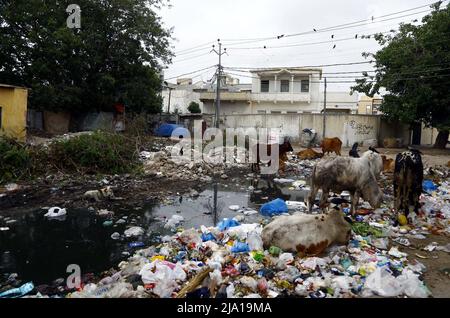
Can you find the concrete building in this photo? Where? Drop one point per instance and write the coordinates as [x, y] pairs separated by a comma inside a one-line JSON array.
[[181, 95], [13, 111], [340, 102], [273, 90], [369, 105]]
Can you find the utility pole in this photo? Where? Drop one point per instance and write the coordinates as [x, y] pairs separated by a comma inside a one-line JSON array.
[[219, 76], [324, 107], [170, 93]]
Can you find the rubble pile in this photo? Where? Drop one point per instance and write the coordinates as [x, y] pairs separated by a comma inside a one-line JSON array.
[[162, 163]]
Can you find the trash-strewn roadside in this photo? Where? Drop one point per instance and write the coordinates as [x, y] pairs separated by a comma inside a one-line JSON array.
[[229, 260]]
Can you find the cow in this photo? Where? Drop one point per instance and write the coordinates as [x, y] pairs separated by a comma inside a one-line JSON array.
[[306, 234], [331, 145], [283, 149], [356, 175], [309, 154], [408, 178], [388, 164], [354, 151]]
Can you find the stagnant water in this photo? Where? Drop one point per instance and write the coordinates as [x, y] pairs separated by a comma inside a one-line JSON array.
[[39, 249]]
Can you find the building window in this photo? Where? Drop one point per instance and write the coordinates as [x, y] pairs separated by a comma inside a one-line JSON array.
[[265, 86], [261, 111], [284, 86], [275, 112], [304, 86], [291, 112]]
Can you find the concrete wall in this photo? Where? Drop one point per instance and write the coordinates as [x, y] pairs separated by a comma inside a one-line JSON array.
[[349, 128], [13, 104], [56, 123]]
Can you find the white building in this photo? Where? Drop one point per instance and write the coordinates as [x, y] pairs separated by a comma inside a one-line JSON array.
[[340, 102], [273, 90], [181, 95]]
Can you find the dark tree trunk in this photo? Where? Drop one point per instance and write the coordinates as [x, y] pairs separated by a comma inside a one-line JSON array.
[[441, 139]]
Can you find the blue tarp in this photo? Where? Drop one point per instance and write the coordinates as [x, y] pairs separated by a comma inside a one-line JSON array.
[[166, 130]]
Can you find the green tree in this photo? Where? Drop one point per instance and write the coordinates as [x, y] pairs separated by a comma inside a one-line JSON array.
[[413, 67], [115, 54], [194, 108]]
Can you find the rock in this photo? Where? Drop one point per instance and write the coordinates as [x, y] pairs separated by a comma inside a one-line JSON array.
[[224, 176]]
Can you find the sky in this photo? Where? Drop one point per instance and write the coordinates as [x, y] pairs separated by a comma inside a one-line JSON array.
[[240, 24]]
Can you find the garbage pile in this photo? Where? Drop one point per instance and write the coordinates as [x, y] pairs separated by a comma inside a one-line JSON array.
[[174, 162], [229, 261]]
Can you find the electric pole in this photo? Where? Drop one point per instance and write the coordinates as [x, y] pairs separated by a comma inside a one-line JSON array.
[[324, 107], [219, 76], [170, 93]]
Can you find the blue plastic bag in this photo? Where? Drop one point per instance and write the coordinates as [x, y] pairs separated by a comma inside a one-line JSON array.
[[208, 237], [227, 223], [136, 244], [428, 186], [239, 247], [274, 207], [18, 292]]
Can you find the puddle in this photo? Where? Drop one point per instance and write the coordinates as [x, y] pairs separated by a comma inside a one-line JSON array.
[[40, 250]]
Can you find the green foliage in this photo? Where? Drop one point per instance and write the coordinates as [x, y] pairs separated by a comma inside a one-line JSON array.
[[99, 152], [194, 108], [14, 160], [413, 66], [115, 54]]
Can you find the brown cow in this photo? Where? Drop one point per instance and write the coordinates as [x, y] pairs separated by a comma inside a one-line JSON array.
[[388, 164], [331, 145], [309, 154]]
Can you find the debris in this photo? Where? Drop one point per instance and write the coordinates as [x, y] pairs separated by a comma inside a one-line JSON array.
[[134, 231], [173, 221], [55, 212], [18, 292]]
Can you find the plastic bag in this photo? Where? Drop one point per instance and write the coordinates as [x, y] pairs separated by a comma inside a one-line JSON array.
[[382, 283], [239, 247], [134, 231], [226, 224], [428, 186], [254, 241], [164, 277], [274, 207]]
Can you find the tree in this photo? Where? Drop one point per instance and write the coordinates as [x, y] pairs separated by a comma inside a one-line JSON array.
[[115, 54], [413, 66], [194, 108]]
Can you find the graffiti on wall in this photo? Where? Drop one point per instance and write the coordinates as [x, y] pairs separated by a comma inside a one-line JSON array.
[[361, 129]]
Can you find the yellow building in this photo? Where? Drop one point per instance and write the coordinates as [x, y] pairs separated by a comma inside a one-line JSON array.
[[369, 105], [13, 111]]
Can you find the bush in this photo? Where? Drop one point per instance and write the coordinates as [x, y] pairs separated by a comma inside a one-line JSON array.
[[98, 152], [14, 160], [194, 108]]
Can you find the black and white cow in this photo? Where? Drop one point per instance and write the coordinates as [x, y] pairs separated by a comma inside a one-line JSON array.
[[408, 178]]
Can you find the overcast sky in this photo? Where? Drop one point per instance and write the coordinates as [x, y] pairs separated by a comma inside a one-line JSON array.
[[197, 22]]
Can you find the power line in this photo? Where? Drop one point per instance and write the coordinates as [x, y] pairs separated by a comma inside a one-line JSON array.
[[190, 72], [326, 29], [333, 28]]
